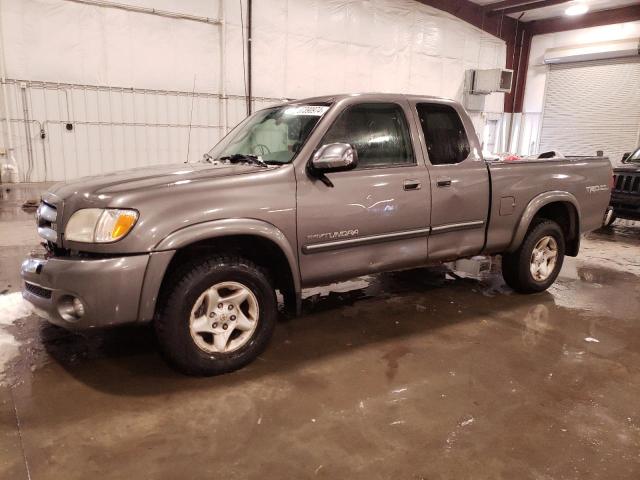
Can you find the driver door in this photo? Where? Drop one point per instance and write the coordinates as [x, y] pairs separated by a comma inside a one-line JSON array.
[[376, 217]]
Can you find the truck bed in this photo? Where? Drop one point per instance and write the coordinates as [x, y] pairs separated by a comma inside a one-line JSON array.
[[516, 183]]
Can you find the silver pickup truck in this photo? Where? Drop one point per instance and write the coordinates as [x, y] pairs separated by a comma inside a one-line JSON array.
[[303, 194]]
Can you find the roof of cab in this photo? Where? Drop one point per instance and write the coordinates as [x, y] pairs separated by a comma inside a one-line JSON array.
[[366, 96]]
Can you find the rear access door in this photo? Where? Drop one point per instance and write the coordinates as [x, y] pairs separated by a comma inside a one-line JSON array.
[[460, 183]]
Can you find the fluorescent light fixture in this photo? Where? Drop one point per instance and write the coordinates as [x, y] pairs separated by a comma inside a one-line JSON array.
[[577, 9]]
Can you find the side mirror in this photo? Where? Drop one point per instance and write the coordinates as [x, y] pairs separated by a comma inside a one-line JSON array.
[[335, 157], [332, 157], [625, 156]]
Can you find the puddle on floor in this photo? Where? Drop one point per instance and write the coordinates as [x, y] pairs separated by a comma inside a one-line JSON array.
[[12, 309]]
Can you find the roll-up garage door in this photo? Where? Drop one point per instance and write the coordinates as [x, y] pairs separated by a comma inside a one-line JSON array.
[[591, 106]]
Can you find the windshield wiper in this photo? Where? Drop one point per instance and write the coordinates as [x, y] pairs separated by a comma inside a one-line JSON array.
[[207, 158], [241, 157]]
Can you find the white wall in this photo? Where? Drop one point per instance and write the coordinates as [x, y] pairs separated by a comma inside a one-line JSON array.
[[125, 79], [527, 132]]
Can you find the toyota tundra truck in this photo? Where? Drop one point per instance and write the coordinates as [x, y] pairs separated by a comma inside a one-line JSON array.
[[303, 194]]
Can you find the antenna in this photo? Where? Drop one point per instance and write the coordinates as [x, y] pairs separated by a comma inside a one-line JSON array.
[[193, 95]]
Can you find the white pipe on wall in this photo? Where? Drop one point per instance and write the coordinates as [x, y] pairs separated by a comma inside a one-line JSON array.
[[223, 69], [5, 98], [106, 88], [149, 11], [27, 131]]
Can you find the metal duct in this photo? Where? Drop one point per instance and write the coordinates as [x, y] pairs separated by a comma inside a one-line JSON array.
[[593, 51]]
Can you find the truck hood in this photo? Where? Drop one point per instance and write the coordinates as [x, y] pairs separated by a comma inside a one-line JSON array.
[[628, 168], [144, 178]]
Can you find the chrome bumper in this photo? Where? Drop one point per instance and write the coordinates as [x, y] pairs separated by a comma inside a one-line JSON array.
[[109, 288]]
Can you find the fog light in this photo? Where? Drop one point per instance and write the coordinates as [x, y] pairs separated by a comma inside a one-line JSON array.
[[71, 308]]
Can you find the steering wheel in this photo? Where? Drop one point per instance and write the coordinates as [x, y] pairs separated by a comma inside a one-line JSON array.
[[260, 149]]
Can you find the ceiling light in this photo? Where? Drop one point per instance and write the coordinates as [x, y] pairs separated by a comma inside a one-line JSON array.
[[578, 9]]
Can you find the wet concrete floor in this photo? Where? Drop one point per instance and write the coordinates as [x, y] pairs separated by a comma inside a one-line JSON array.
[[417, 375]]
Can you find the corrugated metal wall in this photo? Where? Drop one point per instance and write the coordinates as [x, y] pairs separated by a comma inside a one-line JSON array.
[[72, 131], [592, 106]]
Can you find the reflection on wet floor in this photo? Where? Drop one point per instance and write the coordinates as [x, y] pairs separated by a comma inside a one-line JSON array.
[[621, 230], [424, 373]]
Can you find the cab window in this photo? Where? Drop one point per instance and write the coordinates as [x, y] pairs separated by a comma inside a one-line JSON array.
[[378, 131], [444, 134]]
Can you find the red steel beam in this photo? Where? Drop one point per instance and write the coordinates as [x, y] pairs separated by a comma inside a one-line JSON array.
[[476, 15], [506, 4], [531, 6], [505, 28], [592, 19], [517, 35], [522, 68]]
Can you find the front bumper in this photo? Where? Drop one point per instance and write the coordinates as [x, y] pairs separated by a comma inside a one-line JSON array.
[[109, 288], [626, 205]]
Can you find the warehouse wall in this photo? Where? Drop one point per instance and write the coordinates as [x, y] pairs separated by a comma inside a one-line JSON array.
[[110, 89], [527, 131]]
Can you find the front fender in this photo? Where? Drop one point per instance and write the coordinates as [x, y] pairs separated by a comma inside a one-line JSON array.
[[534, 207], [234, 226]]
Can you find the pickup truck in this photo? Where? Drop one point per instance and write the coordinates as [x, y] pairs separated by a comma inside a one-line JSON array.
[[298, 195], [625, 196]]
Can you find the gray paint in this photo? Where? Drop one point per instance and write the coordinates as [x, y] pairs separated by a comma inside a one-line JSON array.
[[109, 288], [534, 206], [367, 240], [369, 222], [534, 184], [153, 276], [234, 226]]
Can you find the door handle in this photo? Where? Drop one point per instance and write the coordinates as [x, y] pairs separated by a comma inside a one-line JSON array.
[[412, 185], [443, 182]]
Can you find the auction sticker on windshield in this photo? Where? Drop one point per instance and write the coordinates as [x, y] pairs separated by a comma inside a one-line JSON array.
[[307, 110]]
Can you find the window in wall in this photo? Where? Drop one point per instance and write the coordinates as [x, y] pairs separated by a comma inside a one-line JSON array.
[[444, 134], [378, 131]]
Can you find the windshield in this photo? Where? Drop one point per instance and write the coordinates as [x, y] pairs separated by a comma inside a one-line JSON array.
[[634, 157], [274, 135]]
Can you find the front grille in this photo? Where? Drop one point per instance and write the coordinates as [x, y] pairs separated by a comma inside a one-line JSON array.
[[627, 183], [37, 290]]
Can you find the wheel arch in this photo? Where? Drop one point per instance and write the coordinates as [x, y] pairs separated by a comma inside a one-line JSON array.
[[258, 241], [561, 207]]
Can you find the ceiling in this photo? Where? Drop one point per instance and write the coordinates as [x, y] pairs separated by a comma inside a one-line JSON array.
[[558, 10]]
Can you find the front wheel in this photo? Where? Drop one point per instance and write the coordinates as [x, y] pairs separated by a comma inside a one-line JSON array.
[[219, 316], [537, 263]]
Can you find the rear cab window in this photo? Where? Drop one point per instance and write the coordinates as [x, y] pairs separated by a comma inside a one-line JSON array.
[[444, 134]]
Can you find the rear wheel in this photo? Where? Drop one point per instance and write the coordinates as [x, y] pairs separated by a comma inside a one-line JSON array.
[[219, 315], [537, 263]]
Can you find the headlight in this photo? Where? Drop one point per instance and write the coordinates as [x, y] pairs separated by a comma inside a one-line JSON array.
[[100, 225]]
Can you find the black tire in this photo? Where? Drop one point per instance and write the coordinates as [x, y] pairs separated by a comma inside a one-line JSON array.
[[172, 321], [516, 266]]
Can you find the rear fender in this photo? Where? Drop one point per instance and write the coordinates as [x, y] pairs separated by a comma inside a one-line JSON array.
[[534, 207]]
